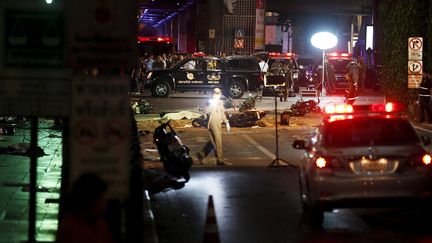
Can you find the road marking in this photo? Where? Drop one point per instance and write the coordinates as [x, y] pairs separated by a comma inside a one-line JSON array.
[[258, 146]]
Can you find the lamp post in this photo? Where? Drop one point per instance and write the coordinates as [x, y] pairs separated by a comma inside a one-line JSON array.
[[323, 41]]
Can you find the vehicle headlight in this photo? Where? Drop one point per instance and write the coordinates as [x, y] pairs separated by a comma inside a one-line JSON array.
[[149, 75]]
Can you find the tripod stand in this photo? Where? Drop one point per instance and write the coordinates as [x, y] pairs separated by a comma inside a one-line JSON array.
[[277, 162]]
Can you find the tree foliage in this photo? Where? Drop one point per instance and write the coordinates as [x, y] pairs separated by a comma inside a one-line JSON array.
[[398, 20]]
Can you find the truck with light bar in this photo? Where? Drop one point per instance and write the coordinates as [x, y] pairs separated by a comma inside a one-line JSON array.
[[336, 71], [156, 45], [283, 66]]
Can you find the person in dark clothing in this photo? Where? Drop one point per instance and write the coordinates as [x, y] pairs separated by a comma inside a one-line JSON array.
[[424, 99]]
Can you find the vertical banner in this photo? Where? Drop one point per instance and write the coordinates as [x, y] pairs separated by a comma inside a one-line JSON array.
[[259, 25], [415, 63], [100, 131]]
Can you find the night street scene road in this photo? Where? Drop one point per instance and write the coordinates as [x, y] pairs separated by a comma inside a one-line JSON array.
[[215, 121]]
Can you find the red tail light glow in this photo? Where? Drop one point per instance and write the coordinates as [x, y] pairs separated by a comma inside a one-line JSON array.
[[389, 107], [320, 162], [338, 109], [426, 159]]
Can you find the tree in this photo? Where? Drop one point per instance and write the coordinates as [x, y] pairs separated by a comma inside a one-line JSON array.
[[398, 20]]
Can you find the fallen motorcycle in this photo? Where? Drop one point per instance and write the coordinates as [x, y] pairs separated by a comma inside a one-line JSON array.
[[245, 118], [173, 153], [300, 108], [248, 104], [239, 119]]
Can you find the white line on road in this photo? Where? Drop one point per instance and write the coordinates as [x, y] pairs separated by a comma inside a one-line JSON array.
[[258, 146]]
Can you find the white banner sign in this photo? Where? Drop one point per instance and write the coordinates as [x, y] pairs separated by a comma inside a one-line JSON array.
[[100, 131], [101, 33]]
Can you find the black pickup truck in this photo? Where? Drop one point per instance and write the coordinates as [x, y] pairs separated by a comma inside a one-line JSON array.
[[235, 75]]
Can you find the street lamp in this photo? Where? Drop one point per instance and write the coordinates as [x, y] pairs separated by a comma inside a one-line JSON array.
[[323, 41]]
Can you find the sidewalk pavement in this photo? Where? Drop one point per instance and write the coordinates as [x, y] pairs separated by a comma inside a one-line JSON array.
[[14, 186]]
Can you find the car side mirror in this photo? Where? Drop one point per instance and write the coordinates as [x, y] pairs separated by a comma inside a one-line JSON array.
[[299, 144], [426, 140]]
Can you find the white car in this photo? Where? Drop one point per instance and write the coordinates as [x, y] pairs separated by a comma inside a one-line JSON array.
[[367, 158]]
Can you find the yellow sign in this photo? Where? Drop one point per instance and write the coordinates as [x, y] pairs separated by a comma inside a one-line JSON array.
[[414, 81]]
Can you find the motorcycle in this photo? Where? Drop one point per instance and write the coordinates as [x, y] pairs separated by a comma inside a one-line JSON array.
[[246, 118], [173, 153], [300, 108], [239, 119], [248, 104]]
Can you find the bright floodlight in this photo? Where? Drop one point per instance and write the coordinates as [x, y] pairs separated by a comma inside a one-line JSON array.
[[48, 1], [324, 40]]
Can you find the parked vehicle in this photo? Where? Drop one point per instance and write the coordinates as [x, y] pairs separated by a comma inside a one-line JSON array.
[[235, 75], [173, 153], [364, 156]]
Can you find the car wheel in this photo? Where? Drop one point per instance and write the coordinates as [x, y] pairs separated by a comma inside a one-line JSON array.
[[161, 89], [235, 89]]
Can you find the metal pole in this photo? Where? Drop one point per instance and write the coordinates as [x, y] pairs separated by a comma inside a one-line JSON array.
[[323, 91], [33, 174]]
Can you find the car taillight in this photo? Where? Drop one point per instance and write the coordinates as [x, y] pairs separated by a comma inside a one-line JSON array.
[[320, 162], [422, 159], [426, 159], [327, 162]]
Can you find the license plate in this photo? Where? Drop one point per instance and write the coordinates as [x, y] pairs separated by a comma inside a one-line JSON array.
[[369, 165]]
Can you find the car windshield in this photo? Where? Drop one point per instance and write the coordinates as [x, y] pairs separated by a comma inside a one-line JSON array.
[[369, 131], [339, 64]]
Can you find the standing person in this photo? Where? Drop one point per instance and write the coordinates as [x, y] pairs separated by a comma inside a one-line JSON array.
[[362, 74], [424, 98], [159, 64], [84, 220], [148, 62], [264, 68], [216, 115]]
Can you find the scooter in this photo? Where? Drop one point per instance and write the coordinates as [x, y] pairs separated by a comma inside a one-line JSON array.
[[173, 153]]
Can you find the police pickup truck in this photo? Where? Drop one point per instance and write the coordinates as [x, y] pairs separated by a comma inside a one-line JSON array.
[[235, 75]]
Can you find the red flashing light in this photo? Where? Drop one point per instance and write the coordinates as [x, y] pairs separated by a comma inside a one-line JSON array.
[[338, 109], [155, 38], [274, 54], [199, 54], [337, 55], [282, 55]]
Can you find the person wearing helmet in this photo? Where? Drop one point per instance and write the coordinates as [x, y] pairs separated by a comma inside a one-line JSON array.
[[216, 115]]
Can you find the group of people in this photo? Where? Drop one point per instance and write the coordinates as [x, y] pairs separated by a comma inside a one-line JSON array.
[[279, 67], [150, 62]]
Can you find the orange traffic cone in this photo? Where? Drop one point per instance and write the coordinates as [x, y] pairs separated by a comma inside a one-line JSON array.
[[211, 232]]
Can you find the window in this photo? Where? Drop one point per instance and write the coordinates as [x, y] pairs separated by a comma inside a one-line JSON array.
[[242, 64], [369, 132]]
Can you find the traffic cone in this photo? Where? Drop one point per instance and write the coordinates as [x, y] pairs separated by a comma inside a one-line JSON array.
[[211, 232]]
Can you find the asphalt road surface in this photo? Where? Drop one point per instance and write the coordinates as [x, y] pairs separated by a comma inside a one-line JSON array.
[[257, 203]]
